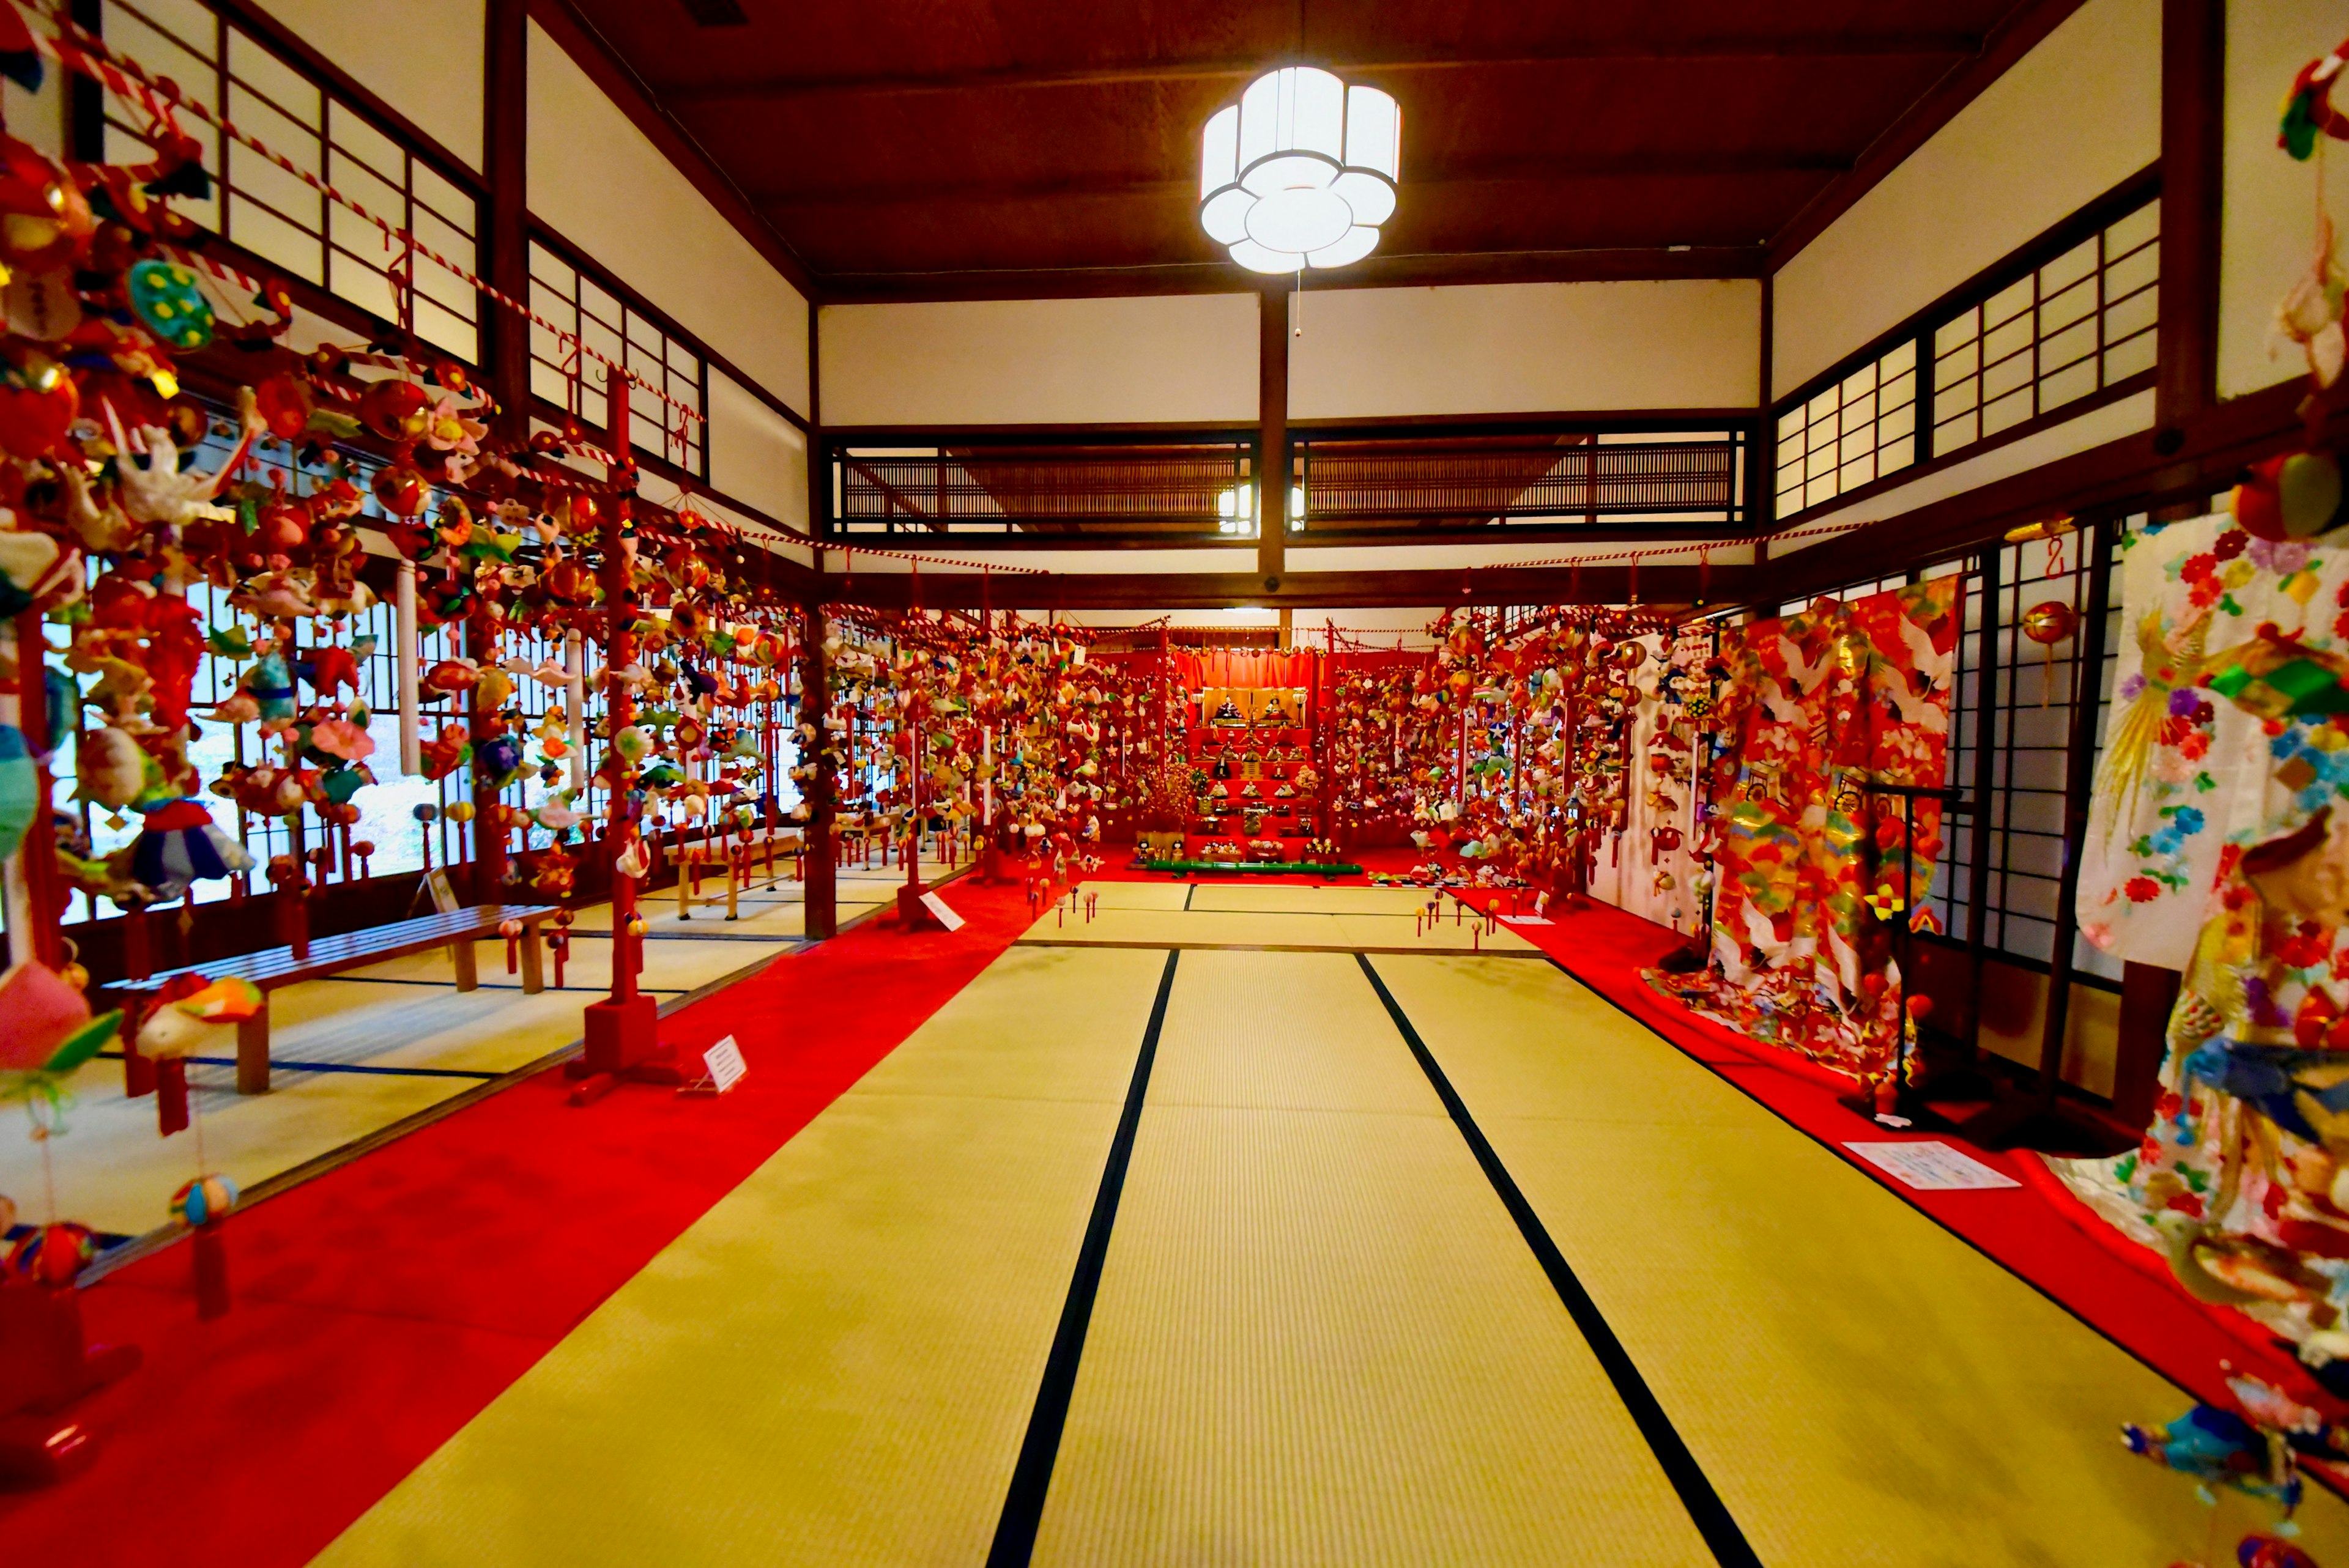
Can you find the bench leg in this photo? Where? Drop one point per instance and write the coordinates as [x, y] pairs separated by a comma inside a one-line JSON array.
[[533, 960], [469, 973], [252, 1051]]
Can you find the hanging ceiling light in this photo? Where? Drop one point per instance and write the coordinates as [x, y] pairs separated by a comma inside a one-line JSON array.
[[1301, 171]]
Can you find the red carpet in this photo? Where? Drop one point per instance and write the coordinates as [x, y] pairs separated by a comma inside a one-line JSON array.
[[380, 1307], [2038, 1230]]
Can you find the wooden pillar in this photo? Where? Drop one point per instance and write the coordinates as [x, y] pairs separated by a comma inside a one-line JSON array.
[[1272, 438], [2193, 99], [505, 165], [505, 244], [822, 914]]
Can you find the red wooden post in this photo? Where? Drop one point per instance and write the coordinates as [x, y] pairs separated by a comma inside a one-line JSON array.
[[622, 1030]]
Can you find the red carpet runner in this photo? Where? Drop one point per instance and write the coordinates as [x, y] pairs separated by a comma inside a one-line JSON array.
[[2038, 1230], [380, 1307]]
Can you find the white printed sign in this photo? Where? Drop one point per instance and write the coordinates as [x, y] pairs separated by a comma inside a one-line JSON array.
[[1932, 1167], [724, 1063], [938, 906], [1526, 920]]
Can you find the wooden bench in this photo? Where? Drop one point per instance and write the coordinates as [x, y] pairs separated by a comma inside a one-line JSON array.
[[328, 955]]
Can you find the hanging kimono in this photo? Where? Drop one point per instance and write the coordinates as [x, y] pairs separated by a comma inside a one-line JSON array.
[[1812, 865], [2173, 751], [2225, 787]]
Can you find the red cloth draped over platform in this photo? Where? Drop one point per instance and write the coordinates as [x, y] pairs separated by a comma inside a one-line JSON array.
[[1252, 668], [1247, 669]]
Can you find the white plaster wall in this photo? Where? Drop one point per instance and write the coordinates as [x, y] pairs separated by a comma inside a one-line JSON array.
[[601, 184], [2267, 234], [1049, 361], [1500, 349], [2069, 121], [423, 57], [756, 455]]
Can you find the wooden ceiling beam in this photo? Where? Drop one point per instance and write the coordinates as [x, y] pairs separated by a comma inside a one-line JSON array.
[[1702, 164], [1409, 270], [1906, 45], [1295, 590]]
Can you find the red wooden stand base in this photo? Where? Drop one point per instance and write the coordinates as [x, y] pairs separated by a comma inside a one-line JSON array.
[[913, 913], [45, 1368], [622, 1047]]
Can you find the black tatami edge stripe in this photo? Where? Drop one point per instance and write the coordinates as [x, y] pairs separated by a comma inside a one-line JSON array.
[[1188, 895], [1710, 1515], [1023, 1504], [1419, 952], [280, 1064]]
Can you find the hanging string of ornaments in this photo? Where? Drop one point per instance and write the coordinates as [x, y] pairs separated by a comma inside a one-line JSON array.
[[121, 494]]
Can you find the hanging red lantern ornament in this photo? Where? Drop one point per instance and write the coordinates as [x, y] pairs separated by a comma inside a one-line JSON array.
[[46, 222], [396, 410], [401, 490], [2047, 623]]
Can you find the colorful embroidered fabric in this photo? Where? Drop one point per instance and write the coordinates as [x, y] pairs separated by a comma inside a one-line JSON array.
[[2230, 746], [1812, 865], [2172, 748]]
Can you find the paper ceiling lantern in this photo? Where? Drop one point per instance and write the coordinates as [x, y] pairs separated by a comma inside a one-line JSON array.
[[1301, 171]]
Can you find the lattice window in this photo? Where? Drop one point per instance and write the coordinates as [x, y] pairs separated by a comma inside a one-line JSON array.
[[1859, 430], [2069, 328], [561, 374], [273, 214], [2072, 327], [2031, 725]]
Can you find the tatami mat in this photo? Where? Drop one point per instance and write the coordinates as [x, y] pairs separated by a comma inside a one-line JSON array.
[[836, 1365], [1319, 1339], [114, 1174], [1286, 897], [1860, 1385], [1337, 932]]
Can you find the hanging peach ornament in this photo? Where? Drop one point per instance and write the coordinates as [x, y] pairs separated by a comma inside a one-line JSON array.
[[2047, 623]]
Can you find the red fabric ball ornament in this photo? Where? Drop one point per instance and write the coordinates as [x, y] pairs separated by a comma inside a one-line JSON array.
[[401, 490], [2258, 501], [2049, 621], [396, 410], [285, 404], [32, 420], [53, 1255]]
